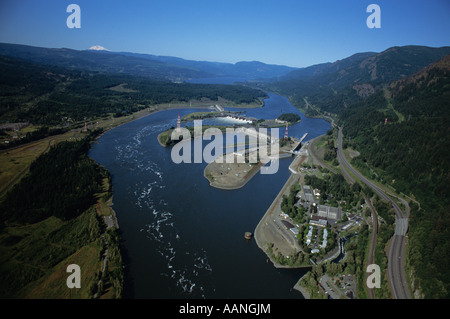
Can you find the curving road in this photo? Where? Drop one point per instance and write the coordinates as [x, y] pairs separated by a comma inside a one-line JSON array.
[[396, 271]]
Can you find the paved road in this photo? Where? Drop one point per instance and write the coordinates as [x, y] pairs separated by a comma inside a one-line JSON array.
[[396, 271], [373, 242]]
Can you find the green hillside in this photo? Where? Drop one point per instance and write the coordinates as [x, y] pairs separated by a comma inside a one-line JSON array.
[[412, 156], [334, 87], [410, 87], [53, 218]]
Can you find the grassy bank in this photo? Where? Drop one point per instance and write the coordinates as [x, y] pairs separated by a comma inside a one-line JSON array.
[[38, 244]]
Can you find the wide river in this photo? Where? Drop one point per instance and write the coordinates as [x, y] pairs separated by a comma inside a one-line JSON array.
[[182, 237]]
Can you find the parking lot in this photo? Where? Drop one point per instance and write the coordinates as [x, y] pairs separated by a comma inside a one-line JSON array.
[[339, 288]]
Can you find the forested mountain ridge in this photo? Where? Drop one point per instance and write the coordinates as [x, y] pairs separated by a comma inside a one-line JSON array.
[[145, 65], [417, 110], [411, 154], [326, 68], [245, 69], [100, 61], [337, 86], [424, 77]]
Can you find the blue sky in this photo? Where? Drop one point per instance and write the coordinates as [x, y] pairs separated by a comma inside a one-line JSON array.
[[296, 33]]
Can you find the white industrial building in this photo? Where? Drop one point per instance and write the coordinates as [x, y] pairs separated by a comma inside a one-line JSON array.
[[330, 213]]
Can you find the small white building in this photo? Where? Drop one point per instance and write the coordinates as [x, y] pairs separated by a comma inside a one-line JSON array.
[[316, 192], [309, 236], [325, 236], [283, 215]]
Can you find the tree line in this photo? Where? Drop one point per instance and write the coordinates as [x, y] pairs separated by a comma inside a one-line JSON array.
[[61, 183]]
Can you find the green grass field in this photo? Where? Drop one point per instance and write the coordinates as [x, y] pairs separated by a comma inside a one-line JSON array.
[[34, 257]]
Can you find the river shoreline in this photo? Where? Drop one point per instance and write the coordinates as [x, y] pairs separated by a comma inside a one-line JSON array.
[[267, 232], [147, 112], [302, 289], [241, 184]]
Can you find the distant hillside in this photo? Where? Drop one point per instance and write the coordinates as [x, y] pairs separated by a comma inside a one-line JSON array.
[[326, 68], [335, 86], [250, 70], [158, 67], [101, 61]]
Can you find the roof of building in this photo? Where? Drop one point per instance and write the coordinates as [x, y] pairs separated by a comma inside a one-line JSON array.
[[319, 222], [287, 224], [328, 212]]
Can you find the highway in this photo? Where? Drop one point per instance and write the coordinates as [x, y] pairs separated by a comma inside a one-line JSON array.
[[373, 242], [396, 271]]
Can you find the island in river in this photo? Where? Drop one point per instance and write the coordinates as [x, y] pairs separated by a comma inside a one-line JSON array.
[[233, 169]]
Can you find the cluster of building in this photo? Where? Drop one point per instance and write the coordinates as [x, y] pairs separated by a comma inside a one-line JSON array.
[[325, 214], [321, 216], [352, 220], [324, 239], [14, 128], [328, 214]]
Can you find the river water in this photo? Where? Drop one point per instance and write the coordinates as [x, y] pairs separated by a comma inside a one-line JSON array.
[[182, 237]]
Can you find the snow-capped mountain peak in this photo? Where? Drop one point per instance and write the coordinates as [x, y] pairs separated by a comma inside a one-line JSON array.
[[98, 48]]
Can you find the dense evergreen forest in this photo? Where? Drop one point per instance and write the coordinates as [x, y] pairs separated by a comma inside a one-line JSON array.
[[49, 95], [339, 86], [411, 153], [60, 183]]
